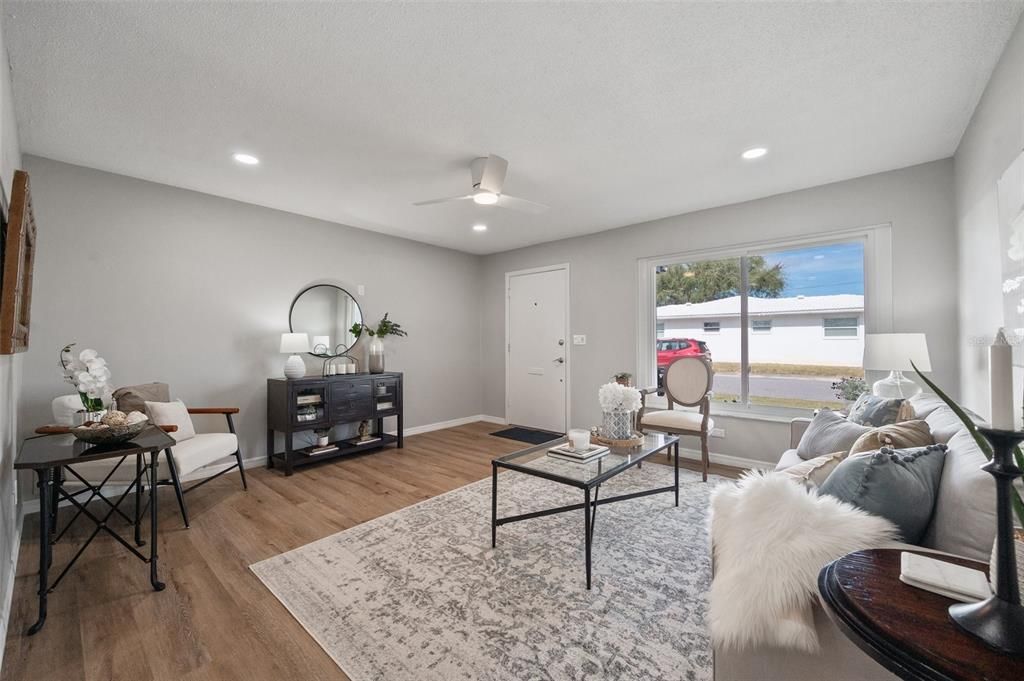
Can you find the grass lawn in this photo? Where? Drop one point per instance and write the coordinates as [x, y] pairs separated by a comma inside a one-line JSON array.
[[823, 370], [782, 402]]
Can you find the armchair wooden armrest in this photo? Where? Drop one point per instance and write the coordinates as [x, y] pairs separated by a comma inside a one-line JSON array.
[[213, 410]]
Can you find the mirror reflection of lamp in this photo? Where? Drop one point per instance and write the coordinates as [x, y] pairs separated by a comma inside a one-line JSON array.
[[321, 345]]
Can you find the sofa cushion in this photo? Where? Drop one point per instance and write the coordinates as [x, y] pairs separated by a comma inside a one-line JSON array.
[[788, 458], [829, 432], [964, 521], [870, 410], [900, 485], [676, 419], [903, 435], [813, 472], [134, 397], [172, 414]]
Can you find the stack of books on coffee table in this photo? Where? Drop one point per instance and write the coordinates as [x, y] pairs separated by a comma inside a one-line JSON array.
[[567, 453]]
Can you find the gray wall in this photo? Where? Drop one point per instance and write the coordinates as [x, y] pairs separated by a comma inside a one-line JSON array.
[[993, 139], [10, 368], [918, 201], [177, 286]]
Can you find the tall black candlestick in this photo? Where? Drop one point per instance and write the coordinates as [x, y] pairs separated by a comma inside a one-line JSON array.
[[999, 620]]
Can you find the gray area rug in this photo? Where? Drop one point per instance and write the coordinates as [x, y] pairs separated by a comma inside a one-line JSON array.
[[419, 593]]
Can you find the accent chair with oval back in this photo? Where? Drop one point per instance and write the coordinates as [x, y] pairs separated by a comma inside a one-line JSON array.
[[687, 382]]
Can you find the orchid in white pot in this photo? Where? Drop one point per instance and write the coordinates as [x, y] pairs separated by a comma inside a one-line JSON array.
[[618, 402], [89, 374]]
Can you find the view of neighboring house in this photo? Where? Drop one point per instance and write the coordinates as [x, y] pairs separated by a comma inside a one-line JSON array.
[[805, 330]]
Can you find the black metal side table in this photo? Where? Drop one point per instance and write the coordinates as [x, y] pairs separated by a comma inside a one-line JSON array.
[[49, 455]]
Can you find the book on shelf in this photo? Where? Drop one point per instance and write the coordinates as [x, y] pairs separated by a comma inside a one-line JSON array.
[[385, 405], [313, 451], [356, 441], [308, 399]]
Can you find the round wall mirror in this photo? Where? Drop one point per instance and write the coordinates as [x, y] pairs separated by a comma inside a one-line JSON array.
[[325, 313]]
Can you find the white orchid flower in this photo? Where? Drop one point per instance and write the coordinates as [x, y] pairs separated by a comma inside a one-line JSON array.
[[88, 354]]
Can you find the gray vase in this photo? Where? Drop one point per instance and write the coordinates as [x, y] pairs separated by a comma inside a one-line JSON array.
[[375, 355], [617, 425]]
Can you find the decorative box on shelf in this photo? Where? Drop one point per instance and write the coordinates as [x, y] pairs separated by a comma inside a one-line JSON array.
[[319, 403]]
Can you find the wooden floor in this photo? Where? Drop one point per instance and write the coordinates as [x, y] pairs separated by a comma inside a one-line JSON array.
[[215, 620]]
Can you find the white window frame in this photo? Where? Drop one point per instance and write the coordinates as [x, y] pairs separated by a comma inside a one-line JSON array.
[[762, 331], [846, 336], [878, 298], [717, 328]]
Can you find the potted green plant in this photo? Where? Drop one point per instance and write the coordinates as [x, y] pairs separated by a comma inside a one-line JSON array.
[[385, 327], [623, 378]]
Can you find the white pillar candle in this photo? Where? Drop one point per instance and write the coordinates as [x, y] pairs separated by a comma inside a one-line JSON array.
[[579, 439], [1000, 373]]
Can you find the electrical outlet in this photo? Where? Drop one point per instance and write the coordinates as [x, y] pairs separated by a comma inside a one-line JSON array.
[[579, 340], [361, 290], [718, 432]]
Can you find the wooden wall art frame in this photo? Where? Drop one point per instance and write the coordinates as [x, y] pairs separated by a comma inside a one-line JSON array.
[[19, 250]]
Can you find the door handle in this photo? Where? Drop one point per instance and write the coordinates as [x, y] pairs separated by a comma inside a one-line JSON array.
[[560, 360]]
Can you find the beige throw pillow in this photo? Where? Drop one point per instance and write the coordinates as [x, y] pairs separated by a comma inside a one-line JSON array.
[[812, 472], [172, 414], [903, 435]]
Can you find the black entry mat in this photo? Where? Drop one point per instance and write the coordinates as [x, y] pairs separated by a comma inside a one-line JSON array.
[[530, 435]]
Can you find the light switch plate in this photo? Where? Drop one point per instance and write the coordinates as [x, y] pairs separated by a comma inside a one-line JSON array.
[[579, 340], [361, 290]]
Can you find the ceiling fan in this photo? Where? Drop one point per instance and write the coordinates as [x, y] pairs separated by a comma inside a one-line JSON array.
[[488, 178]]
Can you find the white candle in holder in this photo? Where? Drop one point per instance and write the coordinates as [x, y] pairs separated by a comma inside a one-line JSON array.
[[1000, 376], [579, 439]]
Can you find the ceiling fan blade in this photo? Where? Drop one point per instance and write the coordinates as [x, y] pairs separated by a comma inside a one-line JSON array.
[[493, 176], [445, 200], [506, 201]]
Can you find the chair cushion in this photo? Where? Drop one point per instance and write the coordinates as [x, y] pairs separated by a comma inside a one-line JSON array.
[[172, 414], [896, 435], [829, 432], [134, 397], [675, 419], [65, 408], [189, 456], [900, 485]]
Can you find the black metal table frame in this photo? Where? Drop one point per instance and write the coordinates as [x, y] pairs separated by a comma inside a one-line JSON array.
[[52, 492], [589, 504]]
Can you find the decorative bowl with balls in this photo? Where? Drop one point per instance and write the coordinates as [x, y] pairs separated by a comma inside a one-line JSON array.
[[115, 427]]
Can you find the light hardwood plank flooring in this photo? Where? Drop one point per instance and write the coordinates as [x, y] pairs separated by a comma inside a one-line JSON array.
[[215, 620]]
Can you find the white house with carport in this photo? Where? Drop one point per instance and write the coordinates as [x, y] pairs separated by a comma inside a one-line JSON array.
[[812, 330]]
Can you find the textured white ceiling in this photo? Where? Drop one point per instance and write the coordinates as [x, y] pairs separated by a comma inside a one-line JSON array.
[[610, 113]]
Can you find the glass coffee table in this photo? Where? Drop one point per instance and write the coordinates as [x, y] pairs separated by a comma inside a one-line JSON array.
[[585, 476]]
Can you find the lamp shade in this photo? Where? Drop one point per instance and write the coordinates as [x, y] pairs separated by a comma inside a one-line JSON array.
[[294, 342], [895, 352]]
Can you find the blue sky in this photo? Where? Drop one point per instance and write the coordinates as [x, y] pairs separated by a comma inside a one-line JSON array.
[[822, 270]]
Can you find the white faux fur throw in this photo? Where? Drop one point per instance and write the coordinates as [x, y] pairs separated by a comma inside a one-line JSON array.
[[771, 536]]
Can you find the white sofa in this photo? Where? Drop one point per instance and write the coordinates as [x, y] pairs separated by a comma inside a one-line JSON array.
[[963, 523]]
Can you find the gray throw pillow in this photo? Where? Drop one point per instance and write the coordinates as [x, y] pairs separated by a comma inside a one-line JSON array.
[[134, 397], [900, 485], [869, 410], [828, 433]]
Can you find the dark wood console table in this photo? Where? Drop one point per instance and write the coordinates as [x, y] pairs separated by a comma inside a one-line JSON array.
[[322, 402], [905, 629]]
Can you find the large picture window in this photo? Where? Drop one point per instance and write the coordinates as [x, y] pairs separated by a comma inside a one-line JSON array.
[[783, 327]]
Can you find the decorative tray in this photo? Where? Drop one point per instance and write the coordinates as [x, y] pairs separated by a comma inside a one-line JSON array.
[[635, 441]]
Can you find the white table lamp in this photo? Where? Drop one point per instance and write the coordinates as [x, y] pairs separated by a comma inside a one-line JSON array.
[[893, 352], [294, 343]]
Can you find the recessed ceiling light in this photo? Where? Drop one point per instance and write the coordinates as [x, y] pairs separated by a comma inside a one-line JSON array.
[[756, 152], [246, 159], [485, 198], [479, 228]]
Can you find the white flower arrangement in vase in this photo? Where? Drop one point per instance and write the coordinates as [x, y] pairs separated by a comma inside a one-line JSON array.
[[89, 374], [618, 402]]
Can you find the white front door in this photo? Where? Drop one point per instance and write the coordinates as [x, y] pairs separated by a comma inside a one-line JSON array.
[[537, 347]]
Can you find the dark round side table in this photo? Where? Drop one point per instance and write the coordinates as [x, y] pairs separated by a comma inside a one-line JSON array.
[[905, 629]]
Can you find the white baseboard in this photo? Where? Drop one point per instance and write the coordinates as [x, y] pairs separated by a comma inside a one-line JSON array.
[[8, 588], [452, 423], [726, 460]]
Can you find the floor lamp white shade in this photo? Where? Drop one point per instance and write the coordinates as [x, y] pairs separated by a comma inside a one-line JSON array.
[[894, 352], [294, 343]]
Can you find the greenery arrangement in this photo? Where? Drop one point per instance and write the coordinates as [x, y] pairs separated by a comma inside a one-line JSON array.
[[385, 327], [849, 388], [983, 444], [707, 280], [623, 377]]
